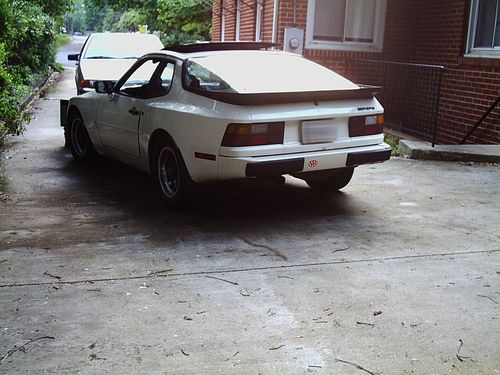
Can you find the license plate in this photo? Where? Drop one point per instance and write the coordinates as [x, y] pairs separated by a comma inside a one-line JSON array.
[[319, 131]]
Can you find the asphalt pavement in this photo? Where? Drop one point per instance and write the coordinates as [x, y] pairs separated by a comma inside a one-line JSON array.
[[397, 274], [74, 46]]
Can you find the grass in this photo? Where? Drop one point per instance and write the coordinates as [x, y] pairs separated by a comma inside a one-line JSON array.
[[394, 143], [62, 39]]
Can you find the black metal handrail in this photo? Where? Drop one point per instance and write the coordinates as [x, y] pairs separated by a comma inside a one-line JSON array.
[[483, 117], [410, 93]]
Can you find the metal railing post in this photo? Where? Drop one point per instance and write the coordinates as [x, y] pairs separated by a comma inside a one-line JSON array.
[[436, 115]]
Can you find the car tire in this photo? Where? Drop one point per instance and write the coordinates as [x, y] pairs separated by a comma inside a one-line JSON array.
[[169, 173], [335, 182], [79, 141]]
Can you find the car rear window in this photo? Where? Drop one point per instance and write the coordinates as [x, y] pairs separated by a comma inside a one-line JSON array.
[[121, 46], [254, 72]]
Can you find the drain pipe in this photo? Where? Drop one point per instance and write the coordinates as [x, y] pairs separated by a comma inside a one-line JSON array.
[[275, 21]]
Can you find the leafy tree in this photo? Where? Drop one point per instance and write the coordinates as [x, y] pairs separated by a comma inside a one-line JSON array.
[[185, 20], [54, 8], [131, 19], [180, 21]]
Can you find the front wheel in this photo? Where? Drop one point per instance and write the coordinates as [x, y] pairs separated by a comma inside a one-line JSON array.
[[81, 146], [169, 173], [337, 181]]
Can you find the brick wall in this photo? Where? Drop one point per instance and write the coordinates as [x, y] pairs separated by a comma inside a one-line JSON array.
[[420, 31], [469, 85]]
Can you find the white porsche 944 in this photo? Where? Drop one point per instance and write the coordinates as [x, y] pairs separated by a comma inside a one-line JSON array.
[[219, 111]]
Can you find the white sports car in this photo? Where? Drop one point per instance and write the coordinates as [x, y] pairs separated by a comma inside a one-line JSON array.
[[219, 111]]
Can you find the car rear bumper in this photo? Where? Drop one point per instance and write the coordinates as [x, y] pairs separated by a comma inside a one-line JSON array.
[[232, 167]]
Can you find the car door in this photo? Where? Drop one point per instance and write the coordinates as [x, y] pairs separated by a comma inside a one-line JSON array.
[[119, 114]]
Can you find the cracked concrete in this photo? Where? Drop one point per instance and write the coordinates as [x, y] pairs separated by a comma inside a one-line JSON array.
[[392, 274]]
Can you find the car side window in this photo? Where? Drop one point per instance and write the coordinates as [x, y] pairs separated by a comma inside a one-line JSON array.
[[151, 79], [167, 75]]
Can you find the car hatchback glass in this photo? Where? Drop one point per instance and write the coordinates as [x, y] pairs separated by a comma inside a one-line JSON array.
[[262, 72]]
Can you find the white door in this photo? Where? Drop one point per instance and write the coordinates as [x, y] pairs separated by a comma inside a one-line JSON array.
[[119, 114], [118, 123]]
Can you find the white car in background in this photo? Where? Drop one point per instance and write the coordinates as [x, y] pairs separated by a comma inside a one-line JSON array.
[[220, 111], [106, 56]]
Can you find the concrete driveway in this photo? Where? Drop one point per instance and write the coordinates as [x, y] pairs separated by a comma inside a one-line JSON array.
[[397, 274]]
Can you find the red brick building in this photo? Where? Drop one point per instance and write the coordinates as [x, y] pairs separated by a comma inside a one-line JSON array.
[[463, 36]]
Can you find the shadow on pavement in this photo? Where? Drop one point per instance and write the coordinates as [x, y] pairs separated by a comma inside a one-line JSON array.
[[112, 184]]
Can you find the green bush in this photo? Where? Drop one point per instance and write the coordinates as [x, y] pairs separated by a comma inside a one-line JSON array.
[[27, 50]]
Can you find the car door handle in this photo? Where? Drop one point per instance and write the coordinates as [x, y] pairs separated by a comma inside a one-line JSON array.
[[134, 111]]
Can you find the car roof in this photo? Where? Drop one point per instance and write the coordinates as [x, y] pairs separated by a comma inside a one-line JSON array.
[[186, 51], [122, 34]]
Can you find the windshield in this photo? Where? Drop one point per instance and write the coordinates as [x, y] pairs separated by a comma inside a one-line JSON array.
[[260, 72], [121, 46]]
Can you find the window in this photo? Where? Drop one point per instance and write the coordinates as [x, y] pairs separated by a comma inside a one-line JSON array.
[[241, 72], [196, 76], [151, 79], [484, 28], [121, 46], [354, 25]]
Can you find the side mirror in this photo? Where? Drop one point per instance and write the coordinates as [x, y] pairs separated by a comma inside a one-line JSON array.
[[74, 57], [103, 87]]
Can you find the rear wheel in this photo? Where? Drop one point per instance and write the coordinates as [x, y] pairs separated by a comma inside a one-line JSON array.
[[169, 173], [337, 181], [81, 146]]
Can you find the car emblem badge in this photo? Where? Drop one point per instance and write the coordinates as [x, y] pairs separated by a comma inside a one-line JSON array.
[[312, 163]]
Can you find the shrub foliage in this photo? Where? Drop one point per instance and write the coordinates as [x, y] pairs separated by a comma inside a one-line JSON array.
[[27, 46]]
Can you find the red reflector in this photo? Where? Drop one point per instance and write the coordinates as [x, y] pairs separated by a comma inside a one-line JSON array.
[[201, 155], [239, 135], [366, 125]]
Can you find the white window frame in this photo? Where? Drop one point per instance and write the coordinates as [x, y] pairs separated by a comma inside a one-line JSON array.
[[478, 51], [258, 20], [378, 32], [238, 20], [223, 22]]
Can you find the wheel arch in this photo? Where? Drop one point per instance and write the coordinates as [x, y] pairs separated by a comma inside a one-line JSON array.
[[154, 139], [73, 111]]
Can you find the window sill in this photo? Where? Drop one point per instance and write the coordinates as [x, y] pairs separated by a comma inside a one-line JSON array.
[[343, 47], [474, 59], [484, 55]]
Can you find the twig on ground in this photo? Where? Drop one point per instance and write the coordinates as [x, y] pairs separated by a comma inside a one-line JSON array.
[[46, 273], [218, 278], [342, 249], [158, 272], [285, 277], [183, 352], [366, 324], [245, 292], [461, 357], [314, 366], [354, 364], [491, 299], [234, 355], [22, 347], [277, 347]]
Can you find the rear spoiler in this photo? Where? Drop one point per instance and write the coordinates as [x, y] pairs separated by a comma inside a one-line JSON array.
[[364, 92]]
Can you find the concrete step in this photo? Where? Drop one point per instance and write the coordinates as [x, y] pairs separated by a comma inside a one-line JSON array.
[[465, 153]]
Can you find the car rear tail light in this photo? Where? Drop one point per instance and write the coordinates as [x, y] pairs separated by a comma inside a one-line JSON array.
[[85, 83], [238, 135], [366, 125]]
